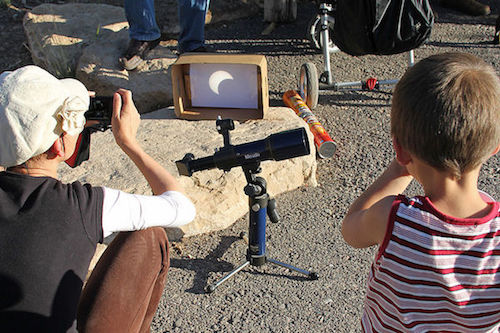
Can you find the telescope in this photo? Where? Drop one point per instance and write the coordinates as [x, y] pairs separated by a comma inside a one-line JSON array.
[[279, 146]]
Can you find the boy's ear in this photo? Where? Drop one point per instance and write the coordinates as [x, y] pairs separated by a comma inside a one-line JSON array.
[[57, 147], [496, 150], [402, 156]]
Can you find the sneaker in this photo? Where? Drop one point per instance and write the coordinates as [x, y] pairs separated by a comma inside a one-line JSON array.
[[136, 53]]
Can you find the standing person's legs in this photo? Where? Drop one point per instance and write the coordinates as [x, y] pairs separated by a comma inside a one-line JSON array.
[[123, 291], [144, 32], [142, 20], [192, 15]]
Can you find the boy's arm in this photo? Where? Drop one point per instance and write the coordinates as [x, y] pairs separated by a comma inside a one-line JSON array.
[[366, 220]]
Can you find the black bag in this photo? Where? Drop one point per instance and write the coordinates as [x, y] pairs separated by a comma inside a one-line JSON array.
[[381, 26]]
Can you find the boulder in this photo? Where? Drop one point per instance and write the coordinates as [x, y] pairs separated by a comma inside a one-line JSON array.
[[151, 82], [217, 195], [86, 40], [58, 34]]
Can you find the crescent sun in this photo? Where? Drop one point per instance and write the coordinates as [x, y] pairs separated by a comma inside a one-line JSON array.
[[216, 79]]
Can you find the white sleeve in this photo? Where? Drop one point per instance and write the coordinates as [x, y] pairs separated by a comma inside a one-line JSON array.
[[127, 212]]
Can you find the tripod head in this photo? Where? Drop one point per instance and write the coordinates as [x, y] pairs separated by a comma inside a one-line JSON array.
[[223, 126]]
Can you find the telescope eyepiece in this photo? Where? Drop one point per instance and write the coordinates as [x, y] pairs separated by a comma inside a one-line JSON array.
[[183, 165]]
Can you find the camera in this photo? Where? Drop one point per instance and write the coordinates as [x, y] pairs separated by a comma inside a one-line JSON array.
[[101, 110], [277, 147]]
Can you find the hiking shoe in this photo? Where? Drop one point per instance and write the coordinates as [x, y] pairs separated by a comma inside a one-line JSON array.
[[136, 53]]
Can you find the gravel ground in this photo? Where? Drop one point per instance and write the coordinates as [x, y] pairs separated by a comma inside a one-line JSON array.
[[271, 298]]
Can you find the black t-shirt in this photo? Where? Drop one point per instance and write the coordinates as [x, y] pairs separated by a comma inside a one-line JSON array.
[[48, 235]]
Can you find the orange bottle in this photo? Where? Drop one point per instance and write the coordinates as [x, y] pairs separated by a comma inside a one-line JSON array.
[[324, 143]]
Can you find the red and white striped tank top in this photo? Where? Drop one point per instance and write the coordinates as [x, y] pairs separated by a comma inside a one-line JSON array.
[[435, 273]]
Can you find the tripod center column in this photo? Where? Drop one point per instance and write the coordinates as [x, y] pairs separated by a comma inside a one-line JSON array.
[[257, 230]]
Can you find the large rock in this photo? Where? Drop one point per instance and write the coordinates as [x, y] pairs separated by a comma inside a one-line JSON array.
[[86, 40], [217, 195], [57, 34], [151, 82]]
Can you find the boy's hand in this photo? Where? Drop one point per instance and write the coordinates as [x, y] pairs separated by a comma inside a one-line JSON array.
[[125, 120], [366, 221]]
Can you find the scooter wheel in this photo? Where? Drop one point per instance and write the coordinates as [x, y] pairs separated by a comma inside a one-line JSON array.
[[309, 84], [314, 33]]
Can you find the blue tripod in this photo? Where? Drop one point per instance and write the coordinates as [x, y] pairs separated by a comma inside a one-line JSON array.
[[260, 206]]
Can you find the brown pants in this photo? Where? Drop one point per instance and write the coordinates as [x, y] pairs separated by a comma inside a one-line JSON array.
[[123, 291]]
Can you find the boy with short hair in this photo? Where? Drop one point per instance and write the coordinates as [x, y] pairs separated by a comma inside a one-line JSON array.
[[437, 267]]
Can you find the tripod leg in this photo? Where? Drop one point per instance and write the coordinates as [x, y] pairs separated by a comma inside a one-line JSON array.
[[211, 287], [311, 275]]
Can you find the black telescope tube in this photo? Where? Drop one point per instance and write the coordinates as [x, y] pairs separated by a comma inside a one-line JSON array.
[[203, 163], [289, 144], [243, 154], [278, 146]]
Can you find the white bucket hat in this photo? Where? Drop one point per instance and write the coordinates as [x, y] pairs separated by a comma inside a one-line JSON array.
[[35, 109]]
